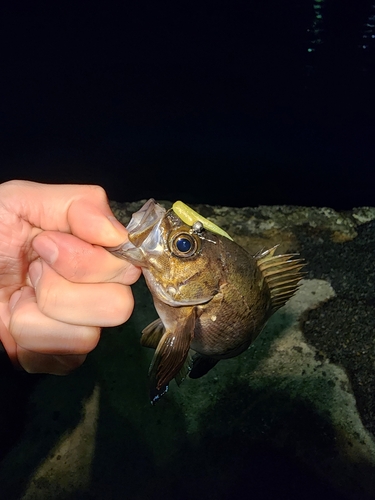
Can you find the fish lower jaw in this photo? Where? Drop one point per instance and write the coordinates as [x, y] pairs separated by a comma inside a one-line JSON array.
[[168, 295]]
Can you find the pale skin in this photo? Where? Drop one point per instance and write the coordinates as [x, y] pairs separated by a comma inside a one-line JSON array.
[[58, 285]]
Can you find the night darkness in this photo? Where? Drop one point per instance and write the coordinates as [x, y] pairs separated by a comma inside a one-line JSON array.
[[225, 102]]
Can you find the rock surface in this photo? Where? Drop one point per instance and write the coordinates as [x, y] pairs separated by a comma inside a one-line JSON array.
[[292, 417]]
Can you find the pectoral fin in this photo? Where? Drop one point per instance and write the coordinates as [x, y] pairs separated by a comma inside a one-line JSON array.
[[152, 334], [170, 357]]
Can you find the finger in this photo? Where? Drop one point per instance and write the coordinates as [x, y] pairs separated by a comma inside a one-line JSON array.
[[35, 362], [79, 261], [104, 304], [8, 343], [79, 209], [33, 331]]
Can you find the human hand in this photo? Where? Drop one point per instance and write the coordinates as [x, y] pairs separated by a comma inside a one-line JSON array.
[[58, 285]]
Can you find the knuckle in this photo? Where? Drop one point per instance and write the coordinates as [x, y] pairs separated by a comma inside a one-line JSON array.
[[97, 192], [126, 307], [121, 305], [89, 340], [130, 274]]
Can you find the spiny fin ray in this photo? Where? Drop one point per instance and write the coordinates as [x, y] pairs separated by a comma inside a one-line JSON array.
[[282, 274]]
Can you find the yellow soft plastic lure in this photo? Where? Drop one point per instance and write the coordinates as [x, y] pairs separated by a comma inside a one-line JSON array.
[[189, 216]]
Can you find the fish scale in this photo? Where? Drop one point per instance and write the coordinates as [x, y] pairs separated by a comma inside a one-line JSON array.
[[211, 295]]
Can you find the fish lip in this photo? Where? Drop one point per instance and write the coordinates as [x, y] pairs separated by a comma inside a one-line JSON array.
[[144, 220], [129, 252], [143, 233]]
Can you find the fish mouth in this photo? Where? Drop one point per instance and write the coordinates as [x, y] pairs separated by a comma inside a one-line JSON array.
[[144, 233]]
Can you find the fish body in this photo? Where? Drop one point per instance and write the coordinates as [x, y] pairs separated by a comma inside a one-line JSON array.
[[211, 295]]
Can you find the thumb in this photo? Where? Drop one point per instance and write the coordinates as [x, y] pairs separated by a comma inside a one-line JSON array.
[[82, 210], [93, 221]]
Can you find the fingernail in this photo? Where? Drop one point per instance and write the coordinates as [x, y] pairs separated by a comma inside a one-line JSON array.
[[116, 223], [14, 299], [35, 272], [46, 248]]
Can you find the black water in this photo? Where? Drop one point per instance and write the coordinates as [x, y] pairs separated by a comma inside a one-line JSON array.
[[237, 103]]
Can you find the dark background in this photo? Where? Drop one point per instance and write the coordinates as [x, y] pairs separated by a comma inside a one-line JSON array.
[[223, 102]]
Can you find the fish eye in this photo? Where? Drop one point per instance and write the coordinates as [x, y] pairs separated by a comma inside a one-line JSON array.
[[184, 244]]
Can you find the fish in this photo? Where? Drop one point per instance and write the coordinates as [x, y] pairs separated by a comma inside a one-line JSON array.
[[213, 298]]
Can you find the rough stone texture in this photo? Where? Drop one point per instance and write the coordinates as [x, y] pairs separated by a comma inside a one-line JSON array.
[[291, 418]]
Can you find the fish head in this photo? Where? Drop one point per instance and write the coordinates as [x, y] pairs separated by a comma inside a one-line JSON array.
[[179, 260]]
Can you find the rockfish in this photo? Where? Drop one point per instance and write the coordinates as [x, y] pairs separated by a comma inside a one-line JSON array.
[[211, 295]]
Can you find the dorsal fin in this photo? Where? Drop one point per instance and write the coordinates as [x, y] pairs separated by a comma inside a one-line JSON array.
[[282, 274]]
